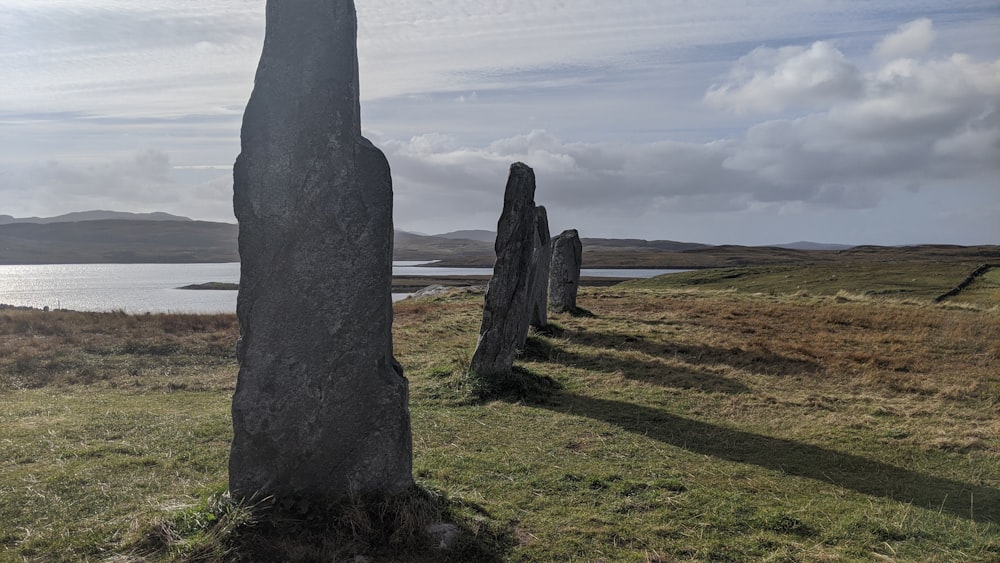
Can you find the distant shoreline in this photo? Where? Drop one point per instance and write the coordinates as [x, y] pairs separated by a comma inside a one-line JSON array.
[[410, 284]]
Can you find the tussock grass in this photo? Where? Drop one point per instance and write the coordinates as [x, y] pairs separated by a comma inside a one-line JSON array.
[[690, 424], [114, 350], [984, 289], [896, 280], [519, 385], [219, 529]]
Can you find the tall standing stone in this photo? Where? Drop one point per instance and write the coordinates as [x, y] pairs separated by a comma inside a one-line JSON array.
[[321, 406], [538, 278], [506, 307], [564, 276]]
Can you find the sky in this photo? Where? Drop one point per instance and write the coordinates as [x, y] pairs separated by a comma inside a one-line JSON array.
[[714, 121]]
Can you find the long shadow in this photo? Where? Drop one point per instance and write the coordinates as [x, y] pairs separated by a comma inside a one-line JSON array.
[[974, 502], [649, 371], [767, 363]]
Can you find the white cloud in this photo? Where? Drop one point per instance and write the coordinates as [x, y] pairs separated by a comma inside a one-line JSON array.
[[772, 80], [626, 127], [145, 181], [772, 176], [128, 58], [146, 171], [909, 124], [910, 40], [930, 97]]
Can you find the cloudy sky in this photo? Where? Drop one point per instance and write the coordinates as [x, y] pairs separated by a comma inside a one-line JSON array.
[[716, 121]]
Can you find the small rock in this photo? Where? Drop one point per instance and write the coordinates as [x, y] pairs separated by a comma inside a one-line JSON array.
[[444, 533]]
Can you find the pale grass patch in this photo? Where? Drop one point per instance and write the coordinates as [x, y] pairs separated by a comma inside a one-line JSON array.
[[630, 460], [968, 306]]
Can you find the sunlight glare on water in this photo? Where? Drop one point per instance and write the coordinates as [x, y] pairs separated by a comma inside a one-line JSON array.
[[141, 288], [133, 288]]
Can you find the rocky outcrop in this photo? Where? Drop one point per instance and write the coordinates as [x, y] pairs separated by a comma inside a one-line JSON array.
[[321, 406], [505, 310], [564, 273]]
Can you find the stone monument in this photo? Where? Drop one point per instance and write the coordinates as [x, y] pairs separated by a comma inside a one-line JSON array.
[[321, 406], [538, 279], [564, 276], [506, 303]]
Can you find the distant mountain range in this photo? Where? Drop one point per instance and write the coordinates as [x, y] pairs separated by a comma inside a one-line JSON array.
[[118, 241], [98, 215], [490, 236], [115, 237], [806, 245], [473, 234]]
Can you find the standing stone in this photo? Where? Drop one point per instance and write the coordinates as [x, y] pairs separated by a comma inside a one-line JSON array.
[[321, 406], [564, 276], [538, 278], [506, 308]]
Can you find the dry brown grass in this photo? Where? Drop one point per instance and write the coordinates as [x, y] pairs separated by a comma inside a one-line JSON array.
[[173, 351], [837, 342], [691, 425], [845, 362]]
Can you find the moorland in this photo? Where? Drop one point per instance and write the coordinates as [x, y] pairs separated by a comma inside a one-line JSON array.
[[824, 412], [92, 238]]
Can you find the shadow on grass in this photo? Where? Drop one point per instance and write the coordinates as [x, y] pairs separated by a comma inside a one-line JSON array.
[[609, 360], [574, 312], [519, 384], [551, 329], [754, 361], [973, 502], [652, 370]]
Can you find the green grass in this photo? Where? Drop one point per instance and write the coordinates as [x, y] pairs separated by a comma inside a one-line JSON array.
[[900, 280], [80, 467], [691, 424], [985, 289]]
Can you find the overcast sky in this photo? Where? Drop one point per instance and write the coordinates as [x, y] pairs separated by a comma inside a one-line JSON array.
[[747, 122]]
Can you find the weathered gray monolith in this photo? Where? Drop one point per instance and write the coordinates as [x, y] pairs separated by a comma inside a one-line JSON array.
[[564, 271], [507, 293], [321, 406], [538, 277]]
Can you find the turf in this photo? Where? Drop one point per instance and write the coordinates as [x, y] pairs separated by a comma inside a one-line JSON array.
[[833, 423], [900, 280]]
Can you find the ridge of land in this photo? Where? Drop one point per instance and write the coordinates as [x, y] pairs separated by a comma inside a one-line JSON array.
[[185, 241]]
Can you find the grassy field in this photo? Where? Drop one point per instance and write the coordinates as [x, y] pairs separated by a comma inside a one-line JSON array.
[[745, 415], [605, 253], [899, 280]]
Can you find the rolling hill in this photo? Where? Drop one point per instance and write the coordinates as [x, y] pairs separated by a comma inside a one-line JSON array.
[[90, 237], [118, 241], [97, 215]]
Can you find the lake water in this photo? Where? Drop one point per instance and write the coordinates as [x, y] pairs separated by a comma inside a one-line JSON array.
[[141, 288]]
